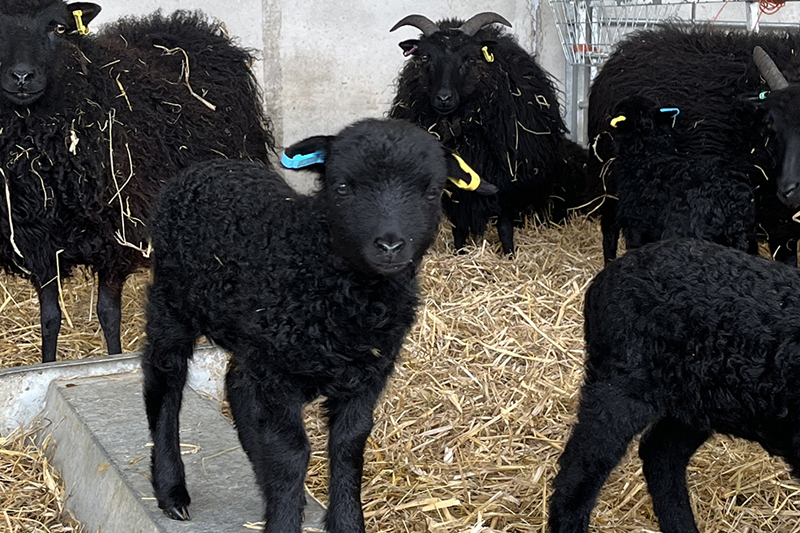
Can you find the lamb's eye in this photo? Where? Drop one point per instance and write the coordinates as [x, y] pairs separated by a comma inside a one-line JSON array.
[[60, 29], [342, 189], [424, 57], [433, 193]]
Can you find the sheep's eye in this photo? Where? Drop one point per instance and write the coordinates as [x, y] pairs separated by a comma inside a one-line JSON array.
[[60, 29], [342, 189], [424, 57], [433, 193]]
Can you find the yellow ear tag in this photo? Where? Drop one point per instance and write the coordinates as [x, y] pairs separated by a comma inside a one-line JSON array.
[[487, 55], [475, 180], [82, 28], [617, 120]]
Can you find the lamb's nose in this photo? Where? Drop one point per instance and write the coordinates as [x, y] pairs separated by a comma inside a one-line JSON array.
[[389, 244], [22, 75]]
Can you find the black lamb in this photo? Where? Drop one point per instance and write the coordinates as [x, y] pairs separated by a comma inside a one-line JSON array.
[[487, 100], [91, 129], [663, 194], [686, 338], [312, 296], [713, 78]]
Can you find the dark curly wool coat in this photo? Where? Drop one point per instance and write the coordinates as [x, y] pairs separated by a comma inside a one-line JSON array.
[[710, 75], [687, 338], [119, 99], [662, 194], [507, 127], [311, 295]]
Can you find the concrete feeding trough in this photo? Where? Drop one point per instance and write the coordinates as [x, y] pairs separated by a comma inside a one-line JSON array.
[[93, 411]]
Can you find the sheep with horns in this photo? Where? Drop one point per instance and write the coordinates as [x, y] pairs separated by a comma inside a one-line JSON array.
[[487, 100]]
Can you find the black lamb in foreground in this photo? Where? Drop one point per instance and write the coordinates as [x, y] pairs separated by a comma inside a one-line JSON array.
[[688, 338], [662, 194], [487, 100], [91, 129], [312, 296], [712, 77]]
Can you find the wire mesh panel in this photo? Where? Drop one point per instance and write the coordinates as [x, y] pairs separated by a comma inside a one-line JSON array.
[[589, 28]]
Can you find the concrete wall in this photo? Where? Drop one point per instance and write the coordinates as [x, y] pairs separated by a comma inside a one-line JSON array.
[[326, 63]]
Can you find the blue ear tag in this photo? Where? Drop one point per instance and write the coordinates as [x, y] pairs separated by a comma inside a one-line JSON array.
[[674, 110], [303, 160]]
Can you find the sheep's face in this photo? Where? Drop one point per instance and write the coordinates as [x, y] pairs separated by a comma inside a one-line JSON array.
[[636, 122], [381, 186], [33, 39], [449, 66], [784, 118]]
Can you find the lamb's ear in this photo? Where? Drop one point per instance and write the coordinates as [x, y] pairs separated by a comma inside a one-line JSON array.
[[308, 152], [463, 177], [81, 14], [409, 47]]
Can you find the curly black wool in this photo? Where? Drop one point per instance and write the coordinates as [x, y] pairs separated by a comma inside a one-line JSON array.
[[83, 161], [311, 295], [507, 126], [710, 76], [688, 338], [662, 194]]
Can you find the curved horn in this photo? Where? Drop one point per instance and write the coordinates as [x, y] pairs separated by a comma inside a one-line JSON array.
[[769, 70], [480, 20], [424, 24]]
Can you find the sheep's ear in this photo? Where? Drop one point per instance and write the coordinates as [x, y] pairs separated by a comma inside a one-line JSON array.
[[308, 152], [410, 47], [81, 14], [462, 176]]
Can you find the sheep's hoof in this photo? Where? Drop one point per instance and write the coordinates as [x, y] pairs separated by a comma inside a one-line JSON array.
[[178, 513]]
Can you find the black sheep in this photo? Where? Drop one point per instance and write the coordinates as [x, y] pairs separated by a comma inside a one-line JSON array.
[[688, 338], [312, 296], [662, 194], [91, 128], [487, 100], [712, 77]]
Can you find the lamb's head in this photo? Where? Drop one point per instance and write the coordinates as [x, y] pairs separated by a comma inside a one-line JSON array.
[[381, 185], [33, 37], [450, 58], [783, 116], [637, 122]]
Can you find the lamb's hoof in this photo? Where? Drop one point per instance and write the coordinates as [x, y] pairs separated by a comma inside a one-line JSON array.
[[178, 513]]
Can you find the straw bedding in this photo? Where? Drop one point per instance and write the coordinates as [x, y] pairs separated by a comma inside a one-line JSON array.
[[469, 430]]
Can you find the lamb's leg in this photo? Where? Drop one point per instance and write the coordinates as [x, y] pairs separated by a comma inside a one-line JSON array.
[[50, 316], [164, 363], [607, 421], [350, 422], [666, 450], [270, 427], [505, 231], [109, 310]]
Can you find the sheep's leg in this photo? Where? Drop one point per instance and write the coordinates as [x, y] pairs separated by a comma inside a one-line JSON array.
[[608, 224], [109, 310], [50, 316], [460, 235], [164, 363], [350, 422], [666, 450], [505, 231], [607, 422], [270, 427]]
